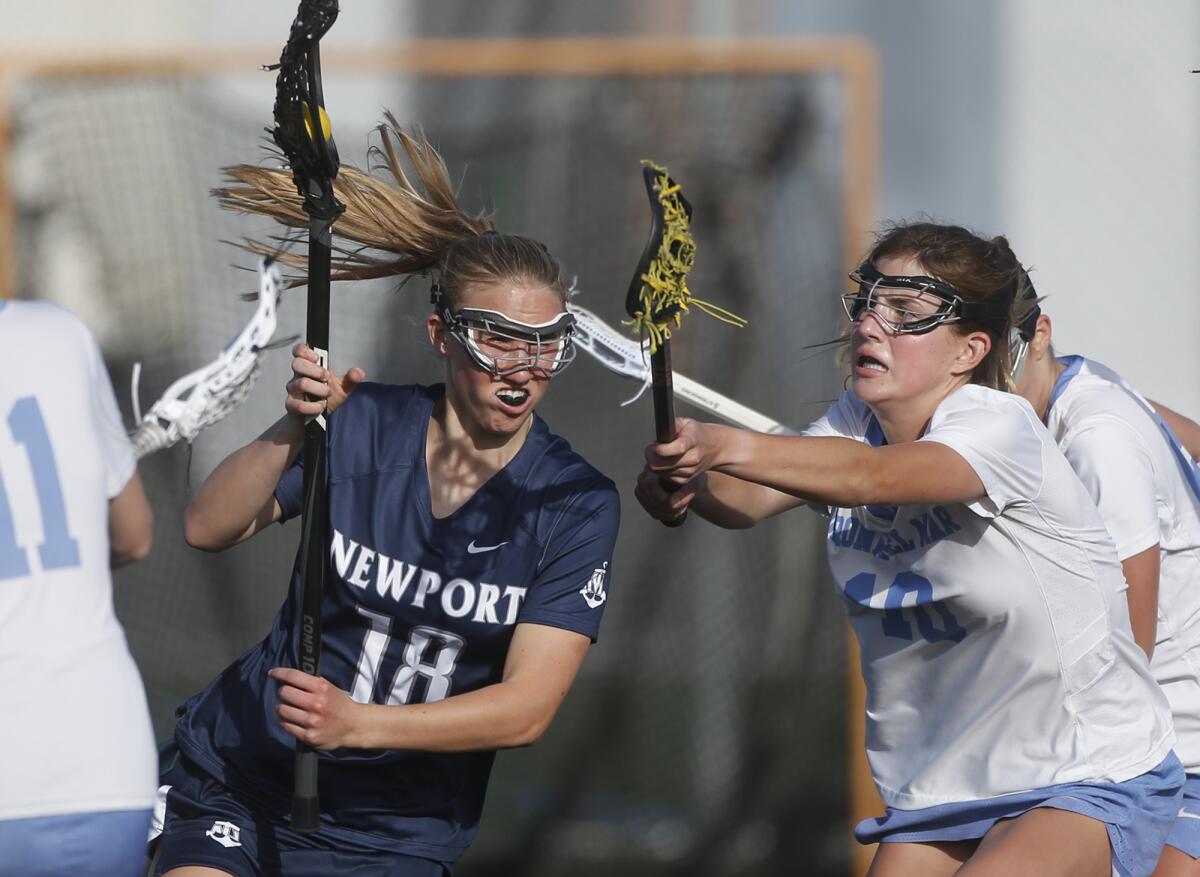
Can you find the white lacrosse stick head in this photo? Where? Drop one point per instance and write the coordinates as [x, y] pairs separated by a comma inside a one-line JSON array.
[[209, 394]]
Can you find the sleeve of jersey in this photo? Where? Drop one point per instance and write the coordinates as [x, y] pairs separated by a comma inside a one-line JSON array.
[[843, 418], [289, 492], [1001, 444], [1116, 470], [571, 587], [116, 449], [346, 422]]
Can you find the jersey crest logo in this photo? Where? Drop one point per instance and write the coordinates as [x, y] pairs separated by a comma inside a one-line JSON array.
[[480, 549], [593, 592], [225, 833]]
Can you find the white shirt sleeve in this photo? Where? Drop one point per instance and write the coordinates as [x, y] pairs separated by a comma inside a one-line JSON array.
[[1116, 469], [115, 447], [1000, 441], [844, 418]]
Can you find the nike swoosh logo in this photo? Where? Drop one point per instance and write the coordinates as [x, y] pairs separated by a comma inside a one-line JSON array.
[[1183, 814], [480, 549]]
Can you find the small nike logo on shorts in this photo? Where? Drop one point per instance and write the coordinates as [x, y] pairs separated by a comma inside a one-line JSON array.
[[480, 549], [1183, 814]]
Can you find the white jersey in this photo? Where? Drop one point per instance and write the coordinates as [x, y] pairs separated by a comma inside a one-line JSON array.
[[994, 634], [76, 735], [1146, 487]]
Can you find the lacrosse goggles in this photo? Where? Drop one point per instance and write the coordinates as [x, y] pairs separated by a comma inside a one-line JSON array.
[[902, 302], [503, 346], [1023, 332]]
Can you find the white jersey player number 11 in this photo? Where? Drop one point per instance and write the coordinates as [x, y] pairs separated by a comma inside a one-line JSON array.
[[58, 549]]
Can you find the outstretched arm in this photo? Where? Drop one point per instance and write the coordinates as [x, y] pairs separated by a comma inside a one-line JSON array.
[[517, 711], [1185, 429], [793, 469], [720, 499], [238, 499]]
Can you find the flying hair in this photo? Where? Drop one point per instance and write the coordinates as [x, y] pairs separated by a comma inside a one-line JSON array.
[[394, 224]]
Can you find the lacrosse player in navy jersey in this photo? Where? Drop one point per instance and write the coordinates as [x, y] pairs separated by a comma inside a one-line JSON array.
[[1012, 723], [469, 549]]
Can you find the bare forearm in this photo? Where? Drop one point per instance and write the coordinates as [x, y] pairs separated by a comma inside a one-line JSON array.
[[735, 504], [1185, 429], [231, 504], [828, 470], [130, 524], [495, 717]]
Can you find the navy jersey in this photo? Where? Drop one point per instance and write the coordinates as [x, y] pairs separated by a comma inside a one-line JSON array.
[[416, 609]]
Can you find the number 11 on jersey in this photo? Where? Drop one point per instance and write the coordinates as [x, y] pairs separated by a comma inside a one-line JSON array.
[[58, 549]]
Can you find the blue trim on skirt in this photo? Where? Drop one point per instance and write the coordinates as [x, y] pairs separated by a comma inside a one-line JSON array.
[[1185, 833], [102, 844], [1138, 813]]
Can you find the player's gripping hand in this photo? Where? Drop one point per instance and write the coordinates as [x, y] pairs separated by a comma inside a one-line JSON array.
[[313, 389], [692, 452], [662, 500], [314, 710]]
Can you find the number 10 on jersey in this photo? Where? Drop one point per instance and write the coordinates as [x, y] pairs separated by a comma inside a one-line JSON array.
[[861, 589]]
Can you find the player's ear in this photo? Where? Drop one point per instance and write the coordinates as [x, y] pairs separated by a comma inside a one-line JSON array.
[[437, 333], [973, 350], [1042, 336]]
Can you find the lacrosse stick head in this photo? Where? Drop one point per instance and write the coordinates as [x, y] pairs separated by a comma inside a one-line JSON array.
[[211, 393], [658, 295], [658, 291], [302, 130]]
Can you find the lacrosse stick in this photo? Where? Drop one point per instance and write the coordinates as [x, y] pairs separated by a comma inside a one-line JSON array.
[[302, 132], [209, 394], [618, 353], [658, 294]]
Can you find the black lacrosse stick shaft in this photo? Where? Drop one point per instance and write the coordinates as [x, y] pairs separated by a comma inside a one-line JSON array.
[[301, 133], [664, 392], [313, 540]]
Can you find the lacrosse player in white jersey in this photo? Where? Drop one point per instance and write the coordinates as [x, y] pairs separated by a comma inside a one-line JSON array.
[[1147, 488], [78, 766], [1013, 726]]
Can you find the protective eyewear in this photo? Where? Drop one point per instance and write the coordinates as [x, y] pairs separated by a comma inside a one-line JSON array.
[[915, 304], [1021, 335], [503, 346]]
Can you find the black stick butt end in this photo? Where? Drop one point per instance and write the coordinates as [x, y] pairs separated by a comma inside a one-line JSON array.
[[305, 814], [306, 807]]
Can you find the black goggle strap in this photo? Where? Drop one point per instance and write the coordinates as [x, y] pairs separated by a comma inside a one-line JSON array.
[[993, 312], [1022, 334], [1028, 326]]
